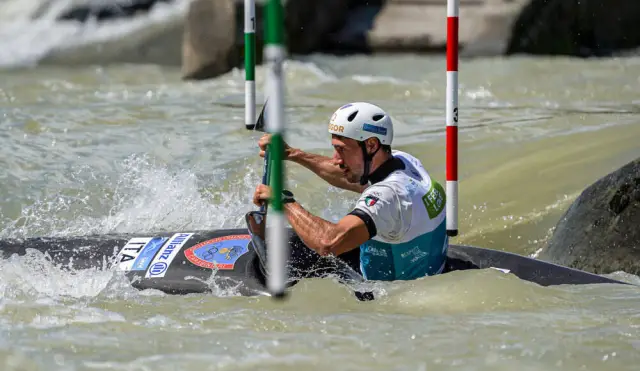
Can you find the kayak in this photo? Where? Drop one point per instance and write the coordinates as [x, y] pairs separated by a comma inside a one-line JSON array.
[[186, 262]]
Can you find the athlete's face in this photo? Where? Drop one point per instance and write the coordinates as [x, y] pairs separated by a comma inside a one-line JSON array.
[[348, 155]]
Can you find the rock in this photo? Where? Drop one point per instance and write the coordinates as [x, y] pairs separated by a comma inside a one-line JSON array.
[[309, 22], [577, 28], [209, 46], [108, 10], [486, 28], [213, 41], [600, 232], [352, 36], [494, 27], [420, 26]]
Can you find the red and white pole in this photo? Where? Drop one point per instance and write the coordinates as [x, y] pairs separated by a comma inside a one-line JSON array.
[[452, 117]]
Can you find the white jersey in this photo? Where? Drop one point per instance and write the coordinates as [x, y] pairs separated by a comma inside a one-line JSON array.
[[408, 211]]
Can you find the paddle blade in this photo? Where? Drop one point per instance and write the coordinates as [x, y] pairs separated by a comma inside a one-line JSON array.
[[259, 125]]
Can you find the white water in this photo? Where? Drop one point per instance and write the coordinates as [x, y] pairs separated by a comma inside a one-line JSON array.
[[132, 148], [29, 31]]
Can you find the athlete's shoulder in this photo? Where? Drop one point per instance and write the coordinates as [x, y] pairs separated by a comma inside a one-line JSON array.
[[384, 189], [406, 156], [409, 160]]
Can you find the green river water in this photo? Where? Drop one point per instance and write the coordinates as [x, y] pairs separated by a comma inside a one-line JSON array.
[[133, 149]]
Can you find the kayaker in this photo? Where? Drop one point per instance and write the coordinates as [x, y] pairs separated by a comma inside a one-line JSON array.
[[399, 220]]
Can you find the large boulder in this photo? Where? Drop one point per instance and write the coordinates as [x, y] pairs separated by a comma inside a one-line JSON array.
[[600, 232], [577, 28], [308, 23], [420, 25], [209, 44]]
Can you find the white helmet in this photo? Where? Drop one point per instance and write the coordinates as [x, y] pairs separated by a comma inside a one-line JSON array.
[[361, 121]]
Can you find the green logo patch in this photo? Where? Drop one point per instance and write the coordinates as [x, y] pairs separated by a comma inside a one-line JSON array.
[[434, 200]]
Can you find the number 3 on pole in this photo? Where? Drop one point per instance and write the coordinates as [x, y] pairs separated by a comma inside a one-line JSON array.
[[452, 117]]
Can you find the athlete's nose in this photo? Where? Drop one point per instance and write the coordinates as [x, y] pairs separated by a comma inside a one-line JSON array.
[[338, 160]]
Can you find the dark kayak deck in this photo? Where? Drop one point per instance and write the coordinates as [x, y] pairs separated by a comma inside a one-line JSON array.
[[181, 263]]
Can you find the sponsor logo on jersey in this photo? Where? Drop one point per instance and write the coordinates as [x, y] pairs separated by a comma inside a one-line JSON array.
[[434, 200]]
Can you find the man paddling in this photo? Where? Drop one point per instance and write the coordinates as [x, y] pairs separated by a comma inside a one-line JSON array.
[[399, 220]]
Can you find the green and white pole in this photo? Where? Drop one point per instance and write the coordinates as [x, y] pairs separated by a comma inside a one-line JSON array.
[[275, 124], [249, 62]]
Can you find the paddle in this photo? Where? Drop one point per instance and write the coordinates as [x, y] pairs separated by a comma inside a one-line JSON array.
[[259, 126]]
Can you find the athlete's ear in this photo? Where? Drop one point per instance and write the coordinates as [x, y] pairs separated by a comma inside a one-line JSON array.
[[372, 145]]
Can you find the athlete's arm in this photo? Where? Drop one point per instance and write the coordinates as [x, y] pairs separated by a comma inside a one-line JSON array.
[[325, 168], [324, 236], [321, 235], [322, 166]]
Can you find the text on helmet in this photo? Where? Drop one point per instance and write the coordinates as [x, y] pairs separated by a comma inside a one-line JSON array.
[[374, 129], [336, 128]]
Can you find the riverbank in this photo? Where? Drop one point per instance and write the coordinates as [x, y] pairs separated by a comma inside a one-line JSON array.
[[197, 33]]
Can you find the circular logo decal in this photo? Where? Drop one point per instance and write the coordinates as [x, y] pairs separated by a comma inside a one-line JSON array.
[[158, 268], [219, 253]]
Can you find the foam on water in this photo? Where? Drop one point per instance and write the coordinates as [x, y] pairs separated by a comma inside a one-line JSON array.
[[145, 196], [29, 30], [34, 275], [472, 320]]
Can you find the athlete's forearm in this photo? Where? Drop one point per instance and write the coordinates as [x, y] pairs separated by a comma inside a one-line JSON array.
[[324, 167], [314, 231]]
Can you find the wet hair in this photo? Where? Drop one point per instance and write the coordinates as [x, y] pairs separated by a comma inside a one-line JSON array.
[[385, 147]]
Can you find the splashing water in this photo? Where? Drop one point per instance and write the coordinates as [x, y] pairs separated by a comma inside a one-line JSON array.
[[31, 32], [145, 197]]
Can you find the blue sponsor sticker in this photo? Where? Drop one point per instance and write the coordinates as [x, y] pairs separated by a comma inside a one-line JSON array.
[[147, 253], [374, 129], [157, 269]]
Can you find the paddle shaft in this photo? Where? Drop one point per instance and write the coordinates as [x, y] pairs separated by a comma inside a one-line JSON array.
[[265, 178], [259, 126]]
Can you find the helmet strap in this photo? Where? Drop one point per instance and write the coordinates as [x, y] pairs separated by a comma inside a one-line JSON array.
[[364, 179]]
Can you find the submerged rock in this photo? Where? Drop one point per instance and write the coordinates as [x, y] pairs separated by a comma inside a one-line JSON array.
[[576, 28], [600, 232]]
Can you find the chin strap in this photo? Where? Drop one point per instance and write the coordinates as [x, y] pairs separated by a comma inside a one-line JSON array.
[[364, 179]]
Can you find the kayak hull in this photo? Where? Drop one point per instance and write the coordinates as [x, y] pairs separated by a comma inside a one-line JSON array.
[[201, 261]]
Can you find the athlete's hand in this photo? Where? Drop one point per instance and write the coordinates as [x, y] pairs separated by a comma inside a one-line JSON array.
[[265, 140], [262, 194]]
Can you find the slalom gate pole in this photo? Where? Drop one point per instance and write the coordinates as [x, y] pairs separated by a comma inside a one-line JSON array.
[[276, 235], [452, 117], [249, 62]]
